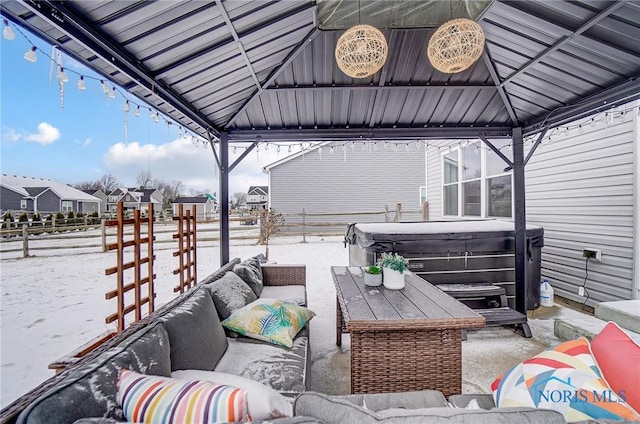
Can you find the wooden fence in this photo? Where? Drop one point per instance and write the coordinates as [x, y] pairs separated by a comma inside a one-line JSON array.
[[302, 223]]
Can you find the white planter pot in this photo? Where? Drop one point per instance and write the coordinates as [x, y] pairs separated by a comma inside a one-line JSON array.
[[372, 279], [393, 279]]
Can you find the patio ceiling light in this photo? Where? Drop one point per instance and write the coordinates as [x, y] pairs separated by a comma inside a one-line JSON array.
[[361, 51], [456, 45]]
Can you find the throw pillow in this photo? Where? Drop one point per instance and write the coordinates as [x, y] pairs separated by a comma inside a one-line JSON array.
[[565, 379], [271, 320], [618, 357], [151, 399], [264, 402], [230, 293], [250, 271]]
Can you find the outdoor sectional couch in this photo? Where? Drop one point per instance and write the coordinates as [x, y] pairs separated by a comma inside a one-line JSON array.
[[185, 339], [184, 334]]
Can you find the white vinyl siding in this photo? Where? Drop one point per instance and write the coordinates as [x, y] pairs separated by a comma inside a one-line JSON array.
[[349, 180], [580, 188]]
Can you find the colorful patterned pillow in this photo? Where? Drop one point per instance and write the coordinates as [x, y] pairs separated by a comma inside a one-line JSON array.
[[152, 399], [565, 379], [271, 320]]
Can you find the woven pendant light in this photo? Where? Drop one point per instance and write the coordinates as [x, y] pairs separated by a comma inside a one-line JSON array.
[[361, 51], [456, 45]]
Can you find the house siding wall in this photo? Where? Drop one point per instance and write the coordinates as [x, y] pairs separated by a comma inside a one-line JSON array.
[[10, 199], [353, 180], [580, 189], [50, 202]]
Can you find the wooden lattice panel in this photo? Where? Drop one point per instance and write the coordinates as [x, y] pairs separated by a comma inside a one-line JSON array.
[[137, 264], [186, 252]]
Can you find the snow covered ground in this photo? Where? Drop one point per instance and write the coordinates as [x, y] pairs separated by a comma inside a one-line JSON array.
[[53, 302]]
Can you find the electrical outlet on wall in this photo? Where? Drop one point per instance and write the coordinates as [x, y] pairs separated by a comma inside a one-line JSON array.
[[593, 254]]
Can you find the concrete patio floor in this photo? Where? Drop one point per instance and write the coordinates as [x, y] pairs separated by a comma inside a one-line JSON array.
[[486, 353]]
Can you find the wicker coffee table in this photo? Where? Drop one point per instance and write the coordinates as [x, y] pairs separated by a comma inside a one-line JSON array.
[[401, 340]]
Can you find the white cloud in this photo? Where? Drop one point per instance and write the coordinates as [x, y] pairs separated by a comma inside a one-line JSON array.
[[194, 166], [46, 134], [84, 143], [10, 135]]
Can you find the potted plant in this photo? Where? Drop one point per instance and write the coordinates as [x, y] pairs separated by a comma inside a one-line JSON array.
[[373, 275], [393, 268]]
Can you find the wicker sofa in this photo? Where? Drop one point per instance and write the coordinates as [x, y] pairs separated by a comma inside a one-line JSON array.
[[185, 334]]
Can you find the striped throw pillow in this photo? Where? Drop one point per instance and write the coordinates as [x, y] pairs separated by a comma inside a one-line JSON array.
[[162, 400]]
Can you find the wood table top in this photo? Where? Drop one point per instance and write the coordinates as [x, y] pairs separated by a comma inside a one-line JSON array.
[[419, 305]]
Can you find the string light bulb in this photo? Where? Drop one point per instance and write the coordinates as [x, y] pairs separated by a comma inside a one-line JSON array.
[[30, 55], [62, 76], [126, 107], [111, 93], [136, 112], [81, 85], [105, 89], [7, 32]]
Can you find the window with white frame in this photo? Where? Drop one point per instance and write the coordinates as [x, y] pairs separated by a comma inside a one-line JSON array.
[[67, 206], [474, 182], [23, 204], [423, 195]]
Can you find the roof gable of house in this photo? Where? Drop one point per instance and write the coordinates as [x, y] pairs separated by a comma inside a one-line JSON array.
[[28, 185], [258, 190]]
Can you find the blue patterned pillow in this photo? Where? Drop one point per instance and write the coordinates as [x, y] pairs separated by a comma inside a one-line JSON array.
[[271, 320]]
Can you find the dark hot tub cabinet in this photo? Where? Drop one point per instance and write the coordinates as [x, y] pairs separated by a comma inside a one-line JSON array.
[[473, 261]]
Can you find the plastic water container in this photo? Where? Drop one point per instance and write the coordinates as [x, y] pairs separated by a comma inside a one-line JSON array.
[[546, 293]]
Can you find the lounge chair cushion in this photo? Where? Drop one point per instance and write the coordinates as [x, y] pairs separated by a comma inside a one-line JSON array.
[[282, 369], [251, 272], [90, 390], [196, 336], [229, 294], [293, 294], [338, 410]]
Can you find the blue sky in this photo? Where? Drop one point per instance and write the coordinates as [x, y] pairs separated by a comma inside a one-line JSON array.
[[86, 139]]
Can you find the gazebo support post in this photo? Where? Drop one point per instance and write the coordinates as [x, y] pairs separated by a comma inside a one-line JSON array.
[[520, 221], [224, 197]]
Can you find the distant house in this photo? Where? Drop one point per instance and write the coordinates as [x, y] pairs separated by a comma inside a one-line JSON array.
[[100, 195], [258, 198], [206, 205], [345, 178], [133, 198], [32, 194]]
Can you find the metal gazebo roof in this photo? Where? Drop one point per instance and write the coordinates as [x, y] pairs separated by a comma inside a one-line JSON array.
[[266, 67]]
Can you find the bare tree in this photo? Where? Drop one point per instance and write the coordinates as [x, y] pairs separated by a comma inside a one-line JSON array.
[[169, 189], [238, 199], [108, 183], [144, 180], [270, 223]]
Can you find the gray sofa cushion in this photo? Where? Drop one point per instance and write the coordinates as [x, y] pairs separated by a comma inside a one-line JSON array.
[[278, 367], [90, 391], [337, 410], [408, 400], [295, 294], [229, 294], [251, 272], [196, 336], [483, 401]]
